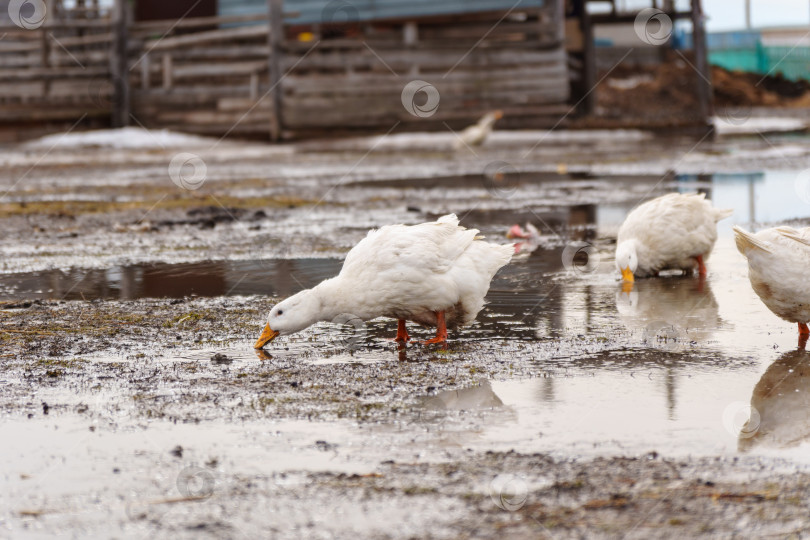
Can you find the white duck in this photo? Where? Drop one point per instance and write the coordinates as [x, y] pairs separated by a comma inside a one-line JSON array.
[[778, 265], [476, 134], [675, 231], [434, 274]]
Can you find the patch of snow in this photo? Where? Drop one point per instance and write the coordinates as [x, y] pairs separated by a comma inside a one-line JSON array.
[[755, 125], [129, 137]]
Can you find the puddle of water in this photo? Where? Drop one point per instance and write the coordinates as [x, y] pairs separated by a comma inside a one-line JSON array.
[[272, 277], [692, 357]]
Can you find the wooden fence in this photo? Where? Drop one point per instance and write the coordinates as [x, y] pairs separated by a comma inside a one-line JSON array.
[[243, 76]]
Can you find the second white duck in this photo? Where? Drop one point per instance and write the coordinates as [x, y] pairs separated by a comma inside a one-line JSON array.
[[675, 231]]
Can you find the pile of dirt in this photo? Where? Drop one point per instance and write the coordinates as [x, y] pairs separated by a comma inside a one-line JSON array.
[[734, 88], [665, 94]]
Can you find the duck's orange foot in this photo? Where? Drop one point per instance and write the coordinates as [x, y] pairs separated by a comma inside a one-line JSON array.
[[701, 267], [441, 330], [402, 332], [804, 330]]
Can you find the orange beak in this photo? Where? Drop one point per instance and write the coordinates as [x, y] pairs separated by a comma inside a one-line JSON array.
[[268, 335], [498, 115], [627, 275]]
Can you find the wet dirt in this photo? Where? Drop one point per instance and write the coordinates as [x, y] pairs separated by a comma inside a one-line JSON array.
[[133, 403]]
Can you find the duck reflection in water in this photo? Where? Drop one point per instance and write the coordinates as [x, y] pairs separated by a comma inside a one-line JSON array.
[[780, 404], [680, 307]]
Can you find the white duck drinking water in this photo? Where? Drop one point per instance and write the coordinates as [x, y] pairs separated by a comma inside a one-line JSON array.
[[675, 231], [434, 274], [778, 268]]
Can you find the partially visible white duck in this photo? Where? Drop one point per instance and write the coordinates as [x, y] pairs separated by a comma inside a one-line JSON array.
[[674, 231], [476, 134], [434, 274], [778, 268], [531, 238]]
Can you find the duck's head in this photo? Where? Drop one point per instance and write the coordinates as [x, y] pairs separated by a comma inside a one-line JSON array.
[[627, 260], [290, 316]]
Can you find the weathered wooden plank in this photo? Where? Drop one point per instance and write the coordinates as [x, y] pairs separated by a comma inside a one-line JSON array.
[[193, 93], [217, 70], [215, 117], [427, 60], [329, 111], [52, 73], [364, 84], [230, 104], [41, 113], [206, 37]]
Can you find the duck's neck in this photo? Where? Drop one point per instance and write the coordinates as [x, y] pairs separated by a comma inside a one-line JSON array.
[[333, 299]]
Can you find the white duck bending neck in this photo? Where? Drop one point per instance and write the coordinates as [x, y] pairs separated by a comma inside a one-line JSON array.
[[333, 299]]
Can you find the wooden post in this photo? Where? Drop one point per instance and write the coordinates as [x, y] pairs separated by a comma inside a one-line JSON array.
[[704, 81], [410, 33], [45, 58], [275, 40], [588, 62], [119, 69], [146, 72], [167, 70]]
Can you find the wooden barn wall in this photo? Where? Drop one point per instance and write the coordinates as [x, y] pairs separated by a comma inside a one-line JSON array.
[[211, 75], [358, 83]]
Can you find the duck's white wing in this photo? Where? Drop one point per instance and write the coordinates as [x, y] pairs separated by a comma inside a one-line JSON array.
[[801, 236], [410, 272], [428, 248], [779, 243]]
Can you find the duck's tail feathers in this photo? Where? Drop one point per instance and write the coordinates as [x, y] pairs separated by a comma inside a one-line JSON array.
[[722, 213], [449, 218], [793, 234], [746, 241], [502, 255]]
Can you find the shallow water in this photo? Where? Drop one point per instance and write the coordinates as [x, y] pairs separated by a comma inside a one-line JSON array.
[[690, 355]]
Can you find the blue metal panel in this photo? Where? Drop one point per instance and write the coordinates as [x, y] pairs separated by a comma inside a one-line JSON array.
[[315, 11]]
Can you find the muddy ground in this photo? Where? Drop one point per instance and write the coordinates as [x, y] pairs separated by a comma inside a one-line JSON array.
[[136, 406]]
